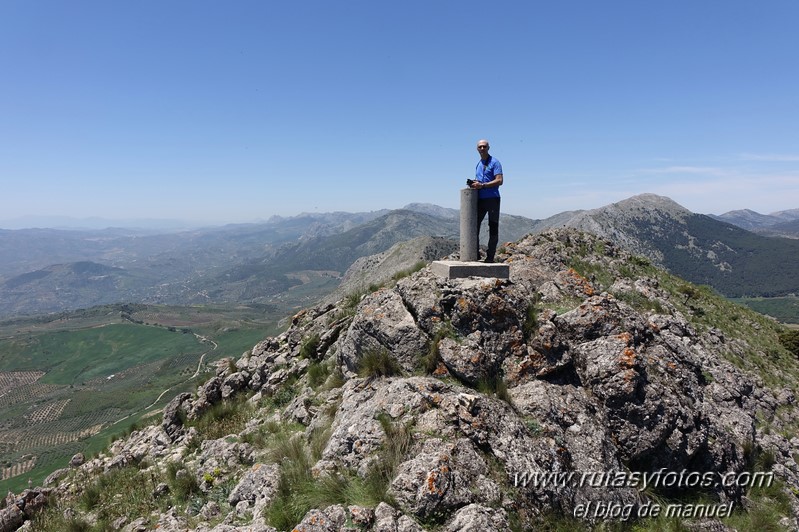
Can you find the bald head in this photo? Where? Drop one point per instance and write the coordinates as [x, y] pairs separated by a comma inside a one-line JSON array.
[[482, 148]]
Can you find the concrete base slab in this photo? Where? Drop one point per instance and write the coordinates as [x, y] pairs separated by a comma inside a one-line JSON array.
[[451, 269]]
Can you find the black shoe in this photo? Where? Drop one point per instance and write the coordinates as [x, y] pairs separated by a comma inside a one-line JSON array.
[[488, 260]]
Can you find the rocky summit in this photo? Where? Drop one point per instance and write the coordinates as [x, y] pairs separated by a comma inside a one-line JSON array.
[[590, 390]]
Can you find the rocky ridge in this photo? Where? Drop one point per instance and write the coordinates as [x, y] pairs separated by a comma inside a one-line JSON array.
[[431, 404], [378, 269]]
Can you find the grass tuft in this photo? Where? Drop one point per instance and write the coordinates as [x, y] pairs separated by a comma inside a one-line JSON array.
[[229, 416], [494, 384], [318, 372], [378, 363]]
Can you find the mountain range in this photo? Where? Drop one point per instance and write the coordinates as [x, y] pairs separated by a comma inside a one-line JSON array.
[[781, 223], [294, 261]]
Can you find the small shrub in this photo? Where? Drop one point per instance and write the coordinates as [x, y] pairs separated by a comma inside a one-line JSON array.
[[689, 291], [283, 395], [764, 460], [639, 302], [378, 363], [533, 426], [318, 373], [352, 300], [91, 496], [228, 416], [318, 440], [502, 391], [530, 321], [309, 346], [429, 362], [182, 483], [299, 491], [77, 524], [296, 487], [790, 341]]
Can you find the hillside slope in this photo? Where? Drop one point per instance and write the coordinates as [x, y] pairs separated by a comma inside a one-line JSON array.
[[582, 384], [695, 247]]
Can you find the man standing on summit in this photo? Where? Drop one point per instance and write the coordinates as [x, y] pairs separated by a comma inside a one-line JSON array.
[[488, 178]]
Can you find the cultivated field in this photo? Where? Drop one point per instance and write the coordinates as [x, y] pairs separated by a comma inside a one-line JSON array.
[[70, 383]]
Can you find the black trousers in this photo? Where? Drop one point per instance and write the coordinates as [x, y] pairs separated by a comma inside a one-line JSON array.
[[488, 206]]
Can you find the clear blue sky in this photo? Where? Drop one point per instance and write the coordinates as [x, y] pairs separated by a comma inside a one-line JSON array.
[[234, 111]]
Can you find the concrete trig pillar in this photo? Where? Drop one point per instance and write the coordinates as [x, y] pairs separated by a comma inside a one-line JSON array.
[[469, 225], [468, 265]]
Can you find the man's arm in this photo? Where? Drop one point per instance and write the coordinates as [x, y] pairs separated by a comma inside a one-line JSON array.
[[495, 183]]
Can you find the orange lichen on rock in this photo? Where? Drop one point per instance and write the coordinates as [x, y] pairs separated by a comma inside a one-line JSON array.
[[441, 370], [432, 481], [627, 358], [583, 283]]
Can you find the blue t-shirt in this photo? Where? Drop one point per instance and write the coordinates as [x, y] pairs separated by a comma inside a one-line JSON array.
[[485, 173]]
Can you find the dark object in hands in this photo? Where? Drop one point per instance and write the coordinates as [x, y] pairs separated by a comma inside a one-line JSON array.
[[469, 182]]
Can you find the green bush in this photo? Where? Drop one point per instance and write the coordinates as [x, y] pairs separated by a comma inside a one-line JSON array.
[[530, 325], [336, 380], [309, 347], [790, 340]]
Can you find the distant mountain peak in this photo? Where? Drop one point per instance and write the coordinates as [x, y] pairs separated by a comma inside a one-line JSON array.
[[789, 215], [432, 210], [651, 202], [743, 212], [615, 221], [755, 221]]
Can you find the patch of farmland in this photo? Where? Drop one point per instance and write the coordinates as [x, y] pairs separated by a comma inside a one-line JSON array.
[[47, 412], [14, 379], [9, 440], [56, 439], [177, 318], [19, 468], [29, 392], [181, 361], [61, 431]]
